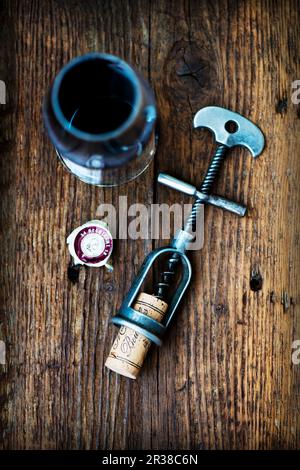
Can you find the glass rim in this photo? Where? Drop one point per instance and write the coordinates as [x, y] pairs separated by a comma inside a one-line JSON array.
[[104, 135]]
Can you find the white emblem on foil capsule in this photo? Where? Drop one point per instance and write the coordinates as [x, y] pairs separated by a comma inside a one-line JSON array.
[[91, 244]]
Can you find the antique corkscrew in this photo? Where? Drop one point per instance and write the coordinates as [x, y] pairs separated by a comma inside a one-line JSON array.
[[144, 318]]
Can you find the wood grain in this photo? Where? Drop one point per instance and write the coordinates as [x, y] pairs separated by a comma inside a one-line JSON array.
[[224, 378]]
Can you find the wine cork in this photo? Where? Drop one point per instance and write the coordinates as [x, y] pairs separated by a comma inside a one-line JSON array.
[[130, 348]]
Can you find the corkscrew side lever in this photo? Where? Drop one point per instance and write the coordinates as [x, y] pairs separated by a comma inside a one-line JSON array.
[[213, 200]]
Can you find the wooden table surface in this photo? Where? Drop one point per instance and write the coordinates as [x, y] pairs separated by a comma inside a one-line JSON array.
[[224, 378]]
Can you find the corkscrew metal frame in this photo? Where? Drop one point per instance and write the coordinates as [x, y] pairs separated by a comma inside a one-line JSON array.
[[230, 130], [144, 324]]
